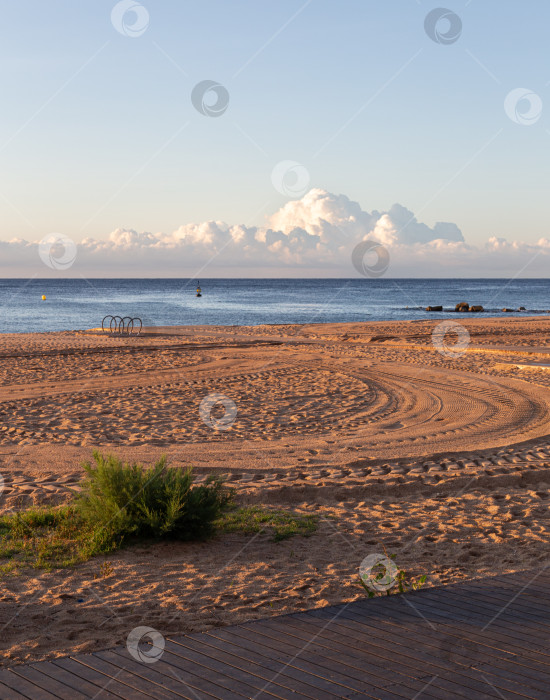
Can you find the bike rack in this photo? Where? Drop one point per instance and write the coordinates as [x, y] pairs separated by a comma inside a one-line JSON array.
[[122, 326]]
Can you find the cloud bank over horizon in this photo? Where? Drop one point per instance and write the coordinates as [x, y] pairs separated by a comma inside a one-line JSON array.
[[310, 237]]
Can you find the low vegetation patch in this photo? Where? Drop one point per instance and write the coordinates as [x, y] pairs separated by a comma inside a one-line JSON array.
[[43, 537], [121, 504], [281, 523], [387, 577]]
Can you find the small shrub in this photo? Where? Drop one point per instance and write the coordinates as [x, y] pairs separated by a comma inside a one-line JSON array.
[[123, 501], [105, 570], [405, 582]]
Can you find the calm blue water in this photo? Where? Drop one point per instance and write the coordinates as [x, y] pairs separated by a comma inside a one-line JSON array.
[[77, 304]]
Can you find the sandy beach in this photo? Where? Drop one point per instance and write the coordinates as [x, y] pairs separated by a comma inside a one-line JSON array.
[[439, 454]]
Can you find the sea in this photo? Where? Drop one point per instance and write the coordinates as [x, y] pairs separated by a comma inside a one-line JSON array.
[[76, 304]]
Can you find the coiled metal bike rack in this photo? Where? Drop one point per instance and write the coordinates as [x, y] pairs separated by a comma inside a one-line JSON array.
[[117, 325]]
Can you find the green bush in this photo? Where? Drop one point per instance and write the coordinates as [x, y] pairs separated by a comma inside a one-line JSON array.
[[122, 501]]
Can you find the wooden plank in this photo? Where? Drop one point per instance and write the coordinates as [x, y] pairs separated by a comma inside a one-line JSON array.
[[391, 642], [466, 687], [422, 692], [356, 661], [246, 654], [190, 677], [521, 660], [532, 588], [500, 632], [340, 671], [508, 608], [514, 663], [505, 624], [120, 657], [137, 682], [458, 639], [490, 603], [210, 667], [442, 608], [7, 693], [536, 581], [406, 621], [310, 668], [332, 667], [387, 645], [500, 628], [399, 621], [493, 601], [529, 596], [274, 682], [433, 607], [532, 682], [71, 680], [26, 688], [52, 685], [112, 685], [284, 657], [250, 664]]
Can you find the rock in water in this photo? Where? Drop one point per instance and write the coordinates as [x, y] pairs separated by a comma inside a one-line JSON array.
[[463, 306], [508, 311], [434, 308], [476, 309]]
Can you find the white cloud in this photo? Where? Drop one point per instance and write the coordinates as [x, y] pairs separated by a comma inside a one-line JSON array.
[[312, 236]]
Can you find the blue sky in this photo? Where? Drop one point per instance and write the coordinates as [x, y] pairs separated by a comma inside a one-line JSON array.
[[98, 131]]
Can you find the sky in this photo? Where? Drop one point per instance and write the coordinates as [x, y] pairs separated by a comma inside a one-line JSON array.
[[269, 139]]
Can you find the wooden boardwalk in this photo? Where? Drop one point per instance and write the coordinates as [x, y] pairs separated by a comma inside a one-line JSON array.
[[483, 639]]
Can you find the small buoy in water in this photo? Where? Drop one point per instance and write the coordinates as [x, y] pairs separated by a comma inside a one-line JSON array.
[[199, 291], [43, 297]]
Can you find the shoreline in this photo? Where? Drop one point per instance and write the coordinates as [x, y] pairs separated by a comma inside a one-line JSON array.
[[434, 316]]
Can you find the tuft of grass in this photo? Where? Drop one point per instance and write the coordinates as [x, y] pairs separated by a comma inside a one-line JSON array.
[[43, 538], [283, 524]]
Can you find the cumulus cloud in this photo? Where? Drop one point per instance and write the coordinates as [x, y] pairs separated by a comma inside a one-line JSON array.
[[330, 217], [312, 236]]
